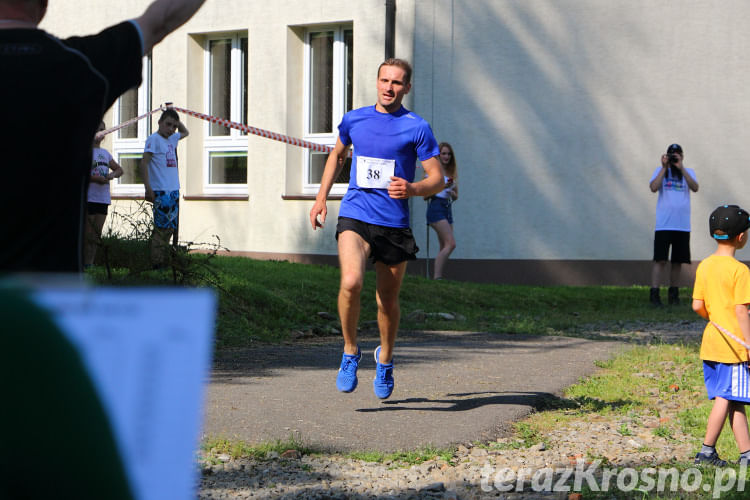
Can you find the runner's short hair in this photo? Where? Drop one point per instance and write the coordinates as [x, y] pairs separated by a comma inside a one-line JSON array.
[[399, 63]]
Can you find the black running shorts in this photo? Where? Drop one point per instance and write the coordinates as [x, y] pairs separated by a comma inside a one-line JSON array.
[[389, 245]]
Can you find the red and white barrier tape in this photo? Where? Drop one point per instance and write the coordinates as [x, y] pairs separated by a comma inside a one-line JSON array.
[[130, 122], [257, 131], [730, 335], [230, 124]]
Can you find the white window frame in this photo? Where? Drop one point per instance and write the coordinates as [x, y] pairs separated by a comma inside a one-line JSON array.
[[339, 101], [236, 140], [125, 147]]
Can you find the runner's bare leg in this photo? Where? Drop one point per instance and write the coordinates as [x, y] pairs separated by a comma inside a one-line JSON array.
[[389, 280], [353, 253]]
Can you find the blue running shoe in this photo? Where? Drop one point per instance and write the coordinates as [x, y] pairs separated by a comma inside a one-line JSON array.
[[382, 384], [346, 381]]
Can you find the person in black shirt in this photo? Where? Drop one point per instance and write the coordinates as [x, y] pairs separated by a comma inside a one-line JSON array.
[[60, 89], [53, 94]]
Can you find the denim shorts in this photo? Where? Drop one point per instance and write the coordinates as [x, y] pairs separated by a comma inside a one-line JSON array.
[[439, 209], [389, 245]]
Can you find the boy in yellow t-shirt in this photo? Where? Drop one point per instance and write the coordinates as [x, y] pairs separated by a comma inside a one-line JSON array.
[[721, 295]]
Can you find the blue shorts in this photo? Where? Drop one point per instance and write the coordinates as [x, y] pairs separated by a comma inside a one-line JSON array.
[[728, 381], [439, 209], [166, 209]]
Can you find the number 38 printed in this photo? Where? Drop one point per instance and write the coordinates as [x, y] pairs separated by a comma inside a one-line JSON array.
[[374, 173]]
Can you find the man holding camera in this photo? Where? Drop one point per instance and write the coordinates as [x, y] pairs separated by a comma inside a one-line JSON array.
[[674, 182]]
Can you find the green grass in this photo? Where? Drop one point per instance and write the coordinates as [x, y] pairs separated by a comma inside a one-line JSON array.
[[405, 458], [631, 384], [266, 300], [617, 390], [211, 448]]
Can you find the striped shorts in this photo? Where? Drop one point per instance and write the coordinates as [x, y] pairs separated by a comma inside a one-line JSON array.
[[728, 381]]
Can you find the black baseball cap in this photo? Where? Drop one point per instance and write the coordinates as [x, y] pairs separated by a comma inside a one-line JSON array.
[[674, 148], [729, 219]]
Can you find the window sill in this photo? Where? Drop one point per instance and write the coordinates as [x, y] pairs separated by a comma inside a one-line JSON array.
[[216, 197], [197, 197], [306, 197], [126, 196]]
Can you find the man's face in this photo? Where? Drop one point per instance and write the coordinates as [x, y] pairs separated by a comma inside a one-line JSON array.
[[167, 127], [391, 87]]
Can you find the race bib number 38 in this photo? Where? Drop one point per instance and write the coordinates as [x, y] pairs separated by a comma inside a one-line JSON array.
[[374, 173]]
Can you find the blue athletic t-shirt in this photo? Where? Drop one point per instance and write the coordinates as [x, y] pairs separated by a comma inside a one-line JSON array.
[[385, 144]]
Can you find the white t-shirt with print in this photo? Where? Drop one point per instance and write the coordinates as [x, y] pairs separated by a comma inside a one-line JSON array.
[[99, 193], [162, 171], [673, 204]]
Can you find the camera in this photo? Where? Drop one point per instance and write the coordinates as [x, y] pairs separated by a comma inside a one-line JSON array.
[[674, 158]]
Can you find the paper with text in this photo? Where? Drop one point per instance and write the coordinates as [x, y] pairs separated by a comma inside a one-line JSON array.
[[149, 354]]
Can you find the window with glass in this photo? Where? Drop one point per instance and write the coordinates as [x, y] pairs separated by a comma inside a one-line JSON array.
[[128, 142], [130, 163], [328, 95], [226, 97]]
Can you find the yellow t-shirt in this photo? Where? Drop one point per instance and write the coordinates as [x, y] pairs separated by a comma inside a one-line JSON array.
[[722, 282]]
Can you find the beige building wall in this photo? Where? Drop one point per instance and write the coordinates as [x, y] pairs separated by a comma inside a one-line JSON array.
[[264, 221], [558, 112]]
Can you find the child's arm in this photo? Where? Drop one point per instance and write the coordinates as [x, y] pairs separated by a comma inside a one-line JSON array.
[[145, 161], [700, 308], [740, 310], [98, 179], [116, 170], [182, 129]]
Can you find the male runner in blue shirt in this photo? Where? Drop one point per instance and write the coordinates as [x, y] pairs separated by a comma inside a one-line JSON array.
[[374, 215]]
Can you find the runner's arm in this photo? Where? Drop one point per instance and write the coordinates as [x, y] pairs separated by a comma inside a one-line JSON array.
[[334, 163], [433, 182]]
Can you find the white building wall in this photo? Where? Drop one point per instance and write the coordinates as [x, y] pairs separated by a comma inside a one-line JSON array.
[[558, 112]]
